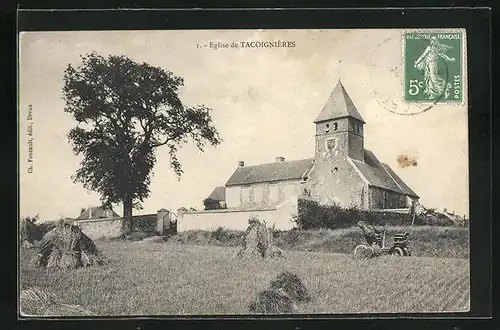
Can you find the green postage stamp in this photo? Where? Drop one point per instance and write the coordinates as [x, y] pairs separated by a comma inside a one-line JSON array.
[[433, 67]]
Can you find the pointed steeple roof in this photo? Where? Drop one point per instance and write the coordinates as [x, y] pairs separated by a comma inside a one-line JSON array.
[[338, 105]]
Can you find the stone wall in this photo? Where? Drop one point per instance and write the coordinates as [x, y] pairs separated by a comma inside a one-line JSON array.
[[334, 180], [112, 228], [101, 228], [233, 196], [386, 199], [268, 193], [279, 216]]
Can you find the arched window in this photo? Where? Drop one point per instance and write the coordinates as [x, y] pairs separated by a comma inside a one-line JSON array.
[[335, 126], [327, 128]]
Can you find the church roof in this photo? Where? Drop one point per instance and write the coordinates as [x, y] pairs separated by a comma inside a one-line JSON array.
[[404, 187], [338, 105], [278, 171], [381, 175], [219, 194]]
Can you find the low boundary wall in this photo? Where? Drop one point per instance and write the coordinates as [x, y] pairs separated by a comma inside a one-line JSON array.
[[101, 228], [237, 219], [113, 228]]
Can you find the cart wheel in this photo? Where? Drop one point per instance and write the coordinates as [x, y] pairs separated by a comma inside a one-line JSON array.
[[363, 252], [397, 252]]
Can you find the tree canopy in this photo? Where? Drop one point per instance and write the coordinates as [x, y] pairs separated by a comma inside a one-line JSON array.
[[125, 110], [212, 204]]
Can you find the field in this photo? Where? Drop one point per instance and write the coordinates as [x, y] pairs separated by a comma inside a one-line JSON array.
[[174, 279], [424, 241]]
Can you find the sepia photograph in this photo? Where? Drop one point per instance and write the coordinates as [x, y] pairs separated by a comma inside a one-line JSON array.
[[243, 172]]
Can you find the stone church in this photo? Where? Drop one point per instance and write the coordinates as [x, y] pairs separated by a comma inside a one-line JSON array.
[[342, 171]]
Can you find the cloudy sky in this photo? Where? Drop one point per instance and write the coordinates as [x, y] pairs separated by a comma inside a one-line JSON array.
[[264, 101]]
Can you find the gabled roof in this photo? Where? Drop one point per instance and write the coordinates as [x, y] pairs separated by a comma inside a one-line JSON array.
[[279, 171], [219, 194], [97, 212], [404, 187], [380, 175], [338, 105]]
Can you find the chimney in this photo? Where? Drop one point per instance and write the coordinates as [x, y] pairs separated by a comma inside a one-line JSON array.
[[241, 163], [280, 159]]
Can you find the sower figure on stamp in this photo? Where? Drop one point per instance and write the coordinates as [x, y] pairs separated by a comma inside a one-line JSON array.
[[435, 86]]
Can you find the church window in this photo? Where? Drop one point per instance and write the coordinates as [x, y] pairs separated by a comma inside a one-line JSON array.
[[335, 126], [384, 199]]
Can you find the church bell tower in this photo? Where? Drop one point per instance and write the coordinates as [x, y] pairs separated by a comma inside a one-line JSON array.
[[339, 129]]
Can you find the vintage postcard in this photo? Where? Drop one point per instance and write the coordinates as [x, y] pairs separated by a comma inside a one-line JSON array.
[[243, 172]]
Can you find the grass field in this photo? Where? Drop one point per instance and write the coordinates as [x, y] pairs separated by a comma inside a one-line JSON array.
[[173, 279], [424, 241]]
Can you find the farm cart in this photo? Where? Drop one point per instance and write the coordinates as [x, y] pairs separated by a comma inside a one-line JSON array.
[[375, 241]]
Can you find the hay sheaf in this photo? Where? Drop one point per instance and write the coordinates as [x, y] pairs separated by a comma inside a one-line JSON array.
[[258, 241], [36, 302], [282, 296], [67, 247], [273, 302], [27, 244], [292, 286]]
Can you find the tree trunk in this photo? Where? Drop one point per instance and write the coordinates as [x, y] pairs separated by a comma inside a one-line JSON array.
[[127, 215]]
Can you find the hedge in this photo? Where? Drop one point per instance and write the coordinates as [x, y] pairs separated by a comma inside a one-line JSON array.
[[312, 215]]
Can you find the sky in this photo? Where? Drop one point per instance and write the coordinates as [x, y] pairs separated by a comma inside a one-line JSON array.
[[264, 101]]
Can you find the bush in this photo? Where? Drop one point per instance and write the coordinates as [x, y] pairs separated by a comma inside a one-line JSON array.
[[32, 231], [144, 223], [212, 204], [432, 218], [219, 234], [226, 237], [29, 230], [312, 215]]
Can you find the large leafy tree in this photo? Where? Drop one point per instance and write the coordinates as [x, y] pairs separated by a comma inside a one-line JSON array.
[[125, 110]]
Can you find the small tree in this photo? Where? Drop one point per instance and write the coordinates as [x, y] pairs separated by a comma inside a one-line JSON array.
[[125, 110], [29, 230], [212, 204]]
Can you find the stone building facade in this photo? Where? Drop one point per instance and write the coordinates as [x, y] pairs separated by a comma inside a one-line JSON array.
[[342, 171]]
